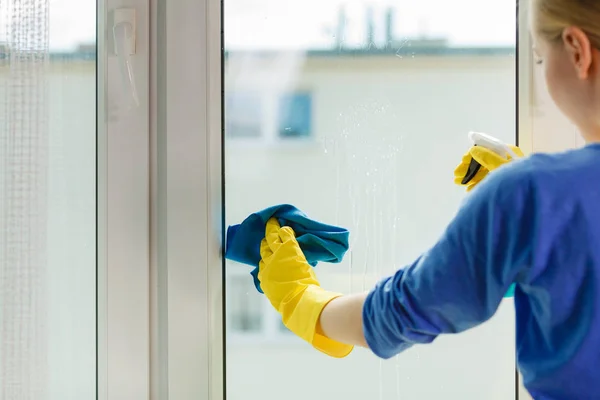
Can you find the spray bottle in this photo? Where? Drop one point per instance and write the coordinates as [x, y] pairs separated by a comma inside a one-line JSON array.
[[490, 143]]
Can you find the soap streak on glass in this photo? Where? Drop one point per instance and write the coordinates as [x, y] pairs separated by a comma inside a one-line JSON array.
[[379, 162]]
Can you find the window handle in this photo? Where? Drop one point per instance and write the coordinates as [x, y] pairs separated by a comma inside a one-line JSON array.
[[123, 29]]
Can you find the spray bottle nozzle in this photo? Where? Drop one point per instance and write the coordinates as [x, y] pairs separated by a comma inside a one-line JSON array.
[[473, 169]]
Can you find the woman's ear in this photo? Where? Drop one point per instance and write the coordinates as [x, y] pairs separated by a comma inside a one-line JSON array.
[[579, 50]]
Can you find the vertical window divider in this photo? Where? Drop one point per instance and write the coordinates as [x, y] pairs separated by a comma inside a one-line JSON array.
[[122, 293], [525, 109], [187, 212]]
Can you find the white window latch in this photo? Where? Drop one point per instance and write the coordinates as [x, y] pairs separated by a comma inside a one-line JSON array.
[[123, 32]]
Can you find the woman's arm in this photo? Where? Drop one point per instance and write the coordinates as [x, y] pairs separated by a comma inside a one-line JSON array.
[[456, 285], [341, 320]]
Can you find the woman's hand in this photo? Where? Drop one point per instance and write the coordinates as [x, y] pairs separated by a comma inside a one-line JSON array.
[[489, 161], [291, 286]]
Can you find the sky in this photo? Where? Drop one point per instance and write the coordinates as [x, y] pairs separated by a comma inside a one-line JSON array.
[[301, 24]]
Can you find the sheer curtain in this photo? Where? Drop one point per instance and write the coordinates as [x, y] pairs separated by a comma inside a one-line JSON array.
[[24, 55]]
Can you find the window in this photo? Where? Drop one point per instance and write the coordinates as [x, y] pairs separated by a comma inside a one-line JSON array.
[[295, 114], [387, 97], [386, 105], [246, 312], [74, 207], [267, 117], [245, 115], [48, 215]]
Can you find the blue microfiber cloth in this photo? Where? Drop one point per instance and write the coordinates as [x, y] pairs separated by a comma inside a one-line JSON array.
[[318, 241]]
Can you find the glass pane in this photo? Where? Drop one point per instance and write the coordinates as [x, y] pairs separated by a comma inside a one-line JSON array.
[[294, 115], [47, 199], [383, 95], [244, 110]]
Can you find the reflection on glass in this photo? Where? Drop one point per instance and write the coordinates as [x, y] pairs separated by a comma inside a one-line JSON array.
[[294, 115], [244, 110], [47, 199], [245, 312], [382, 98]]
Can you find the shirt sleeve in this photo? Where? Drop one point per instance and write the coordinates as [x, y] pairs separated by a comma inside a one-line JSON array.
[[460, 282]]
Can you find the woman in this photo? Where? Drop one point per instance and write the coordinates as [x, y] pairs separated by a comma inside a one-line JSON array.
[[534, 222]]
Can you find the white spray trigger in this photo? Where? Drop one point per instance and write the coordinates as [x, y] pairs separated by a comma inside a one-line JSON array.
[[491, 143]]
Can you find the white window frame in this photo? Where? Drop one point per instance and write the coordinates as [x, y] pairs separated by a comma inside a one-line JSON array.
[[187, 342], [525, 110], [122, 214]]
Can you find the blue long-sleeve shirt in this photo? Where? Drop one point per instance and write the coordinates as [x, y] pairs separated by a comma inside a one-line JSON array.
[[535, 222]]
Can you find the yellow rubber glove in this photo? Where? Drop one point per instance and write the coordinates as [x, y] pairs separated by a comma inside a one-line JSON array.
[[291, 286], [489, 161]]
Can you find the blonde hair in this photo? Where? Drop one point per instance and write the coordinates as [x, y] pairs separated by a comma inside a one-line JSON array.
[[551, 17]]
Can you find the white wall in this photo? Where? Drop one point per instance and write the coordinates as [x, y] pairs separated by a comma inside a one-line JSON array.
[[552, 131]]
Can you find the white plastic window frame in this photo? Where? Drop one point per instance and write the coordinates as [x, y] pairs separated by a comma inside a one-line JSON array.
[[187, 283], [525, 110], [123, 337], [187, 209]]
